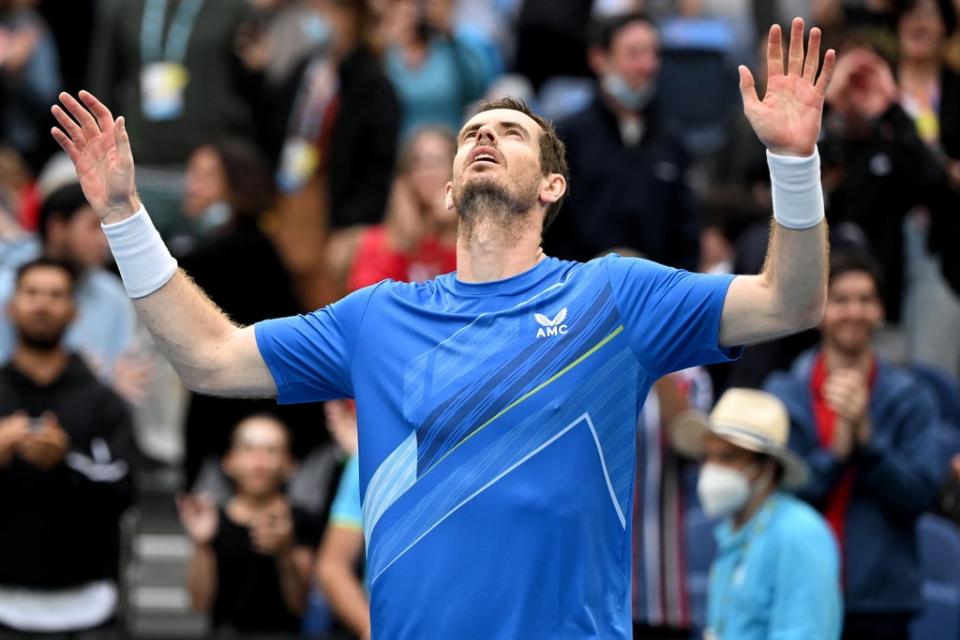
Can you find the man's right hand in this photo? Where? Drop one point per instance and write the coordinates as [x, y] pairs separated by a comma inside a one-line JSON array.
[[99, 147], [13, 429], [199, 516]]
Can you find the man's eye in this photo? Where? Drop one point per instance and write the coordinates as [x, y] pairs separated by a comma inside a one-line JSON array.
[[469, 134], [513, 132]]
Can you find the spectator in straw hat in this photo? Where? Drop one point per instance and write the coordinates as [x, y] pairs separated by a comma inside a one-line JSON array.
[[776, 573]]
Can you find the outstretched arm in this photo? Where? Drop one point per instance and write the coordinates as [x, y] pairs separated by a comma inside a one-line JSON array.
[[211, 354], [788, 295]]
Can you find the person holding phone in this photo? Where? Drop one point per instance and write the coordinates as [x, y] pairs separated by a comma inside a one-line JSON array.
[[64, 470], [251, 556]]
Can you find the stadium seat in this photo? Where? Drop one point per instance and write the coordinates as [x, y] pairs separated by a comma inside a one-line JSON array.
[[939, 546], [701, 548], [698, 82], [948, 444], [945, 388], [563, 96]]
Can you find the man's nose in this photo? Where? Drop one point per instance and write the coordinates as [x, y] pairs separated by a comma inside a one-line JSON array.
[[485, 135]]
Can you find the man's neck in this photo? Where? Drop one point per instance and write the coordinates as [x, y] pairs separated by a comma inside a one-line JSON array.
[[43, 367], [487, 251], [835, 359], [620, 111], [248, 504], [753, 505]]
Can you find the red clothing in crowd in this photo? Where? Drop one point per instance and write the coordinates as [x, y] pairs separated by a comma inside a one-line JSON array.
[[375, 260]]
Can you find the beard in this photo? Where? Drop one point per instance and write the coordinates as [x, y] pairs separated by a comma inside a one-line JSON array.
[[40, 341], [486, 200]]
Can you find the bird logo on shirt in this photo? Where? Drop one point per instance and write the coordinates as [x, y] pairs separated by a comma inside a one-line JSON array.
[[551, 327]]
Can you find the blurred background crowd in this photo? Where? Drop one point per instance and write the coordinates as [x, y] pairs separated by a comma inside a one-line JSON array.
[[291, 151]]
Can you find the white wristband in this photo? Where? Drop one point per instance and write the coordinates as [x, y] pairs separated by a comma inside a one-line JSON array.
[[144, 261], [797, 195]]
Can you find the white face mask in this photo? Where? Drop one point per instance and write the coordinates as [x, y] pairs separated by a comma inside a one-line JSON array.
[[618, 89], [722, 490]]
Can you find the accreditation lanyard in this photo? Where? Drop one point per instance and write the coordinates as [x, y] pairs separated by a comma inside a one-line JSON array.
[[152, 47]]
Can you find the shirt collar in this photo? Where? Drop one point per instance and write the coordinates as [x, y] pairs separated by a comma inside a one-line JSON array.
[[728, 538]]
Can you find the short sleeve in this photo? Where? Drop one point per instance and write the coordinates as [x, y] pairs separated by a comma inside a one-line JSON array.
[[310, 355], [671, 317], [346, 511]]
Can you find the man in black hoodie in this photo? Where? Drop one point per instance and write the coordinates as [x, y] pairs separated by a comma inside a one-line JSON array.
[[63, 480]]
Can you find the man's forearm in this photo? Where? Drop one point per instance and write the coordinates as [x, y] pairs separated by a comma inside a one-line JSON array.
[[346, 596], [796, 265], [187, 328], [796, 270], [789, 294], [293, 583], [202, 578], [211, 354]]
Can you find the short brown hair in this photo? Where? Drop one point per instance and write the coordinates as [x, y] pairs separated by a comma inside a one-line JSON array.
[[46, 262], [851, 260], [553, 153]]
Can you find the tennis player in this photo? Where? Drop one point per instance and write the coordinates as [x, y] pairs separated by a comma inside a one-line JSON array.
[[496, 404]]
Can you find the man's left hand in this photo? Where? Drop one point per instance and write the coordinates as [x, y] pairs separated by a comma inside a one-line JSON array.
[[45, 447], [787, 120]]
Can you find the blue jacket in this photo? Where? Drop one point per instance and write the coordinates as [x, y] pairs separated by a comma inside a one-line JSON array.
[[896, 481], [777, 578]]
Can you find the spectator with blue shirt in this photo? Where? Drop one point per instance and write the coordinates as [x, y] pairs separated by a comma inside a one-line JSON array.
[[776, 573], [474, 388], [339, 567]]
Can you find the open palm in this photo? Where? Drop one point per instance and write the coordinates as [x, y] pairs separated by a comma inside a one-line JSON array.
[[199, 517], [787, 119], [99, 147]]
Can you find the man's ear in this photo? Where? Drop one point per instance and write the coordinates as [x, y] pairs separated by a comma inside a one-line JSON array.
[[73, 312], [597, 60], [55, 226], [288, 468], [448, 197], [553, 188], [227, 465]]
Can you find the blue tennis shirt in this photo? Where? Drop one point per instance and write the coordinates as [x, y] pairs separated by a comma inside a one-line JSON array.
[[497, 435]]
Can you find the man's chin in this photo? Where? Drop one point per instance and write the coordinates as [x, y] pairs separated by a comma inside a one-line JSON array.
[[853, 346], [482, 180], [42, 341]]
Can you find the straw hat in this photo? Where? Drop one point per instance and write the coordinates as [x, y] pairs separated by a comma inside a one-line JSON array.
[[750, 419]]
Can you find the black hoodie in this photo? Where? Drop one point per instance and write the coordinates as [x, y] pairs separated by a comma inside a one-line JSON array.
[[60, 528]]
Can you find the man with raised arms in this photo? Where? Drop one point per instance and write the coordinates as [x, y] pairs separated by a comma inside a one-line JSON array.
[[497, 404]]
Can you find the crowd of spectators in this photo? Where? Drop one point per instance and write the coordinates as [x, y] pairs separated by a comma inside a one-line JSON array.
[[292, 151]]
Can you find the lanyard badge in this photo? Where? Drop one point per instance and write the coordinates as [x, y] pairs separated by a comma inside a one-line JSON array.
[[163, 76]]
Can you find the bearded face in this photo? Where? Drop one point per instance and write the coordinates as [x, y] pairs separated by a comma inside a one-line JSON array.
[[42, 307], [496, 172]]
